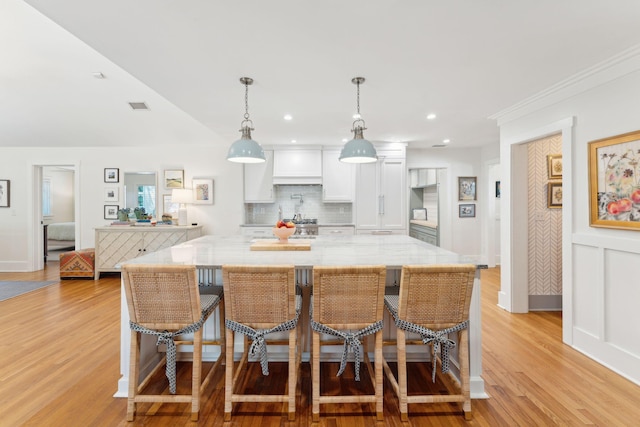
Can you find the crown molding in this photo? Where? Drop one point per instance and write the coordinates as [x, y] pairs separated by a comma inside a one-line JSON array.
[[625, 62]]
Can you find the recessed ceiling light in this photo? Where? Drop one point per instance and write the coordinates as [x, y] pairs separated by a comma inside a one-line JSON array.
[[356, 116], [344, 139], [293, 141], [98, 75], [431, 116], [446, 141], [288, 117], [439, 145]]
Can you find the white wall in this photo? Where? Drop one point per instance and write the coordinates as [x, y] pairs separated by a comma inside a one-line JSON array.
[[223, 217], [600, 266]]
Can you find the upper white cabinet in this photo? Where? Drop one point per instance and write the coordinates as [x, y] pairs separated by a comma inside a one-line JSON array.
[[381, 195], [423, 177], [338, 178], [258, 180], [302, 166]]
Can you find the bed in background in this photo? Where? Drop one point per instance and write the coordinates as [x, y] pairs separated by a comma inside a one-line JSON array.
[[58, 236]]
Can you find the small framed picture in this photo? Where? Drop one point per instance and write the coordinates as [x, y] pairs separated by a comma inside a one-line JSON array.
[[554, 194], [111, 194], [466, 188], [5, 196], [111, 175], [467, 211], [173, 179], [554, 166], [111, 211], [168, 207], [202, 191]]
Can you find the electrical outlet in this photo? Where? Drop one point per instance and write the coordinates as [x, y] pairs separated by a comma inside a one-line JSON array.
[[540, 216]]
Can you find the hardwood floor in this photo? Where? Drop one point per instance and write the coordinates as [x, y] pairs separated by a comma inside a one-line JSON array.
[[59, 365]]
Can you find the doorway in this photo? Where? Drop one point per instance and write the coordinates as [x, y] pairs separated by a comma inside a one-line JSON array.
[[54, 199]]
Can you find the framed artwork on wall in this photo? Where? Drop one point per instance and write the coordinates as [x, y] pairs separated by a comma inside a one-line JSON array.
[[111, 194], [554, 166], [466, 188], [467, 211], [202, 191], [554, 194], [111, 175], [614, 182], [5, 195], [173, 179], [111, 211]]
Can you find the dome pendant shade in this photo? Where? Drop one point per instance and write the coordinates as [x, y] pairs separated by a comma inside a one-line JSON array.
[[246, 150], [358, 150]]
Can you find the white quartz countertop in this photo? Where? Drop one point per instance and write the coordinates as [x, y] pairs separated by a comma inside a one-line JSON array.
[[393, 251], [320, 224]]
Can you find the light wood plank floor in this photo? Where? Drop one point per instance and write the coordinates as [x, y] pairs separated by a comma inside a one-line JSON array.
[[59, 364]]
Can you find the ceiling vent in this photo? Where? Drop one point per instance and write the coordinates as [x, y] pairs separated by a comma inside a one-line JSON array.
[[438, 145], [138, 106]]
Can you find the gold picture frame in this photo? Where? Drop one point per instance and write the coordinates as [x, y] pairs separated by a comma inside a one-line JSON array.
[[554, 195], [554, 166], [614, 182]]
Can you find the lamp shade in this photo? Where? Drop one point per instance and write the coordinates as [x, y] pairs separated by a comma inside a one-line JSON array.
[[246, 150], [358, 150], [181, 195]]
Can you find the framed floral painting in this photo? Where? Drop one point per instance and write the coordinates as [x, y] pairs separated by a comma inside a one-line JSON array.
[[202, 191], [614, 182]]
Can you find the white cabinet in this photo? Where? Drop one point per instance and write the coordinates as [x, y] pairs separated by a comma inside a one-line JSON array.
[[302, 166], [338, 178], [381, 195], [421, 178], [116, 244], [336, 230], [258, 180]]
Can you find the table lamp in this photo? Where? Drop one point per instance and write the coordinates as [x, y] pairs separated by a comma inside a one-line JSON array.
[[182, 196]]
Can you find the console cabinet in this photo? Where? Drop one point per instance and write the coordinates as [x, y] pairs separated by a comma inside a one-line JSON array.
[[116, 244]]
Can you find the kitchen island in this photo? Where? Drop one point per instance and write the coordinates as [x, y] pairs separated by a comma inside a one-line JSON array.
[[209, 253]]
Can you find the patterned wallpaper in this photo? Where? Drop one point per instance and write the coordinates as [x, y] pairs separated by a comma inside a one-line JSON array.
[[545, 225]]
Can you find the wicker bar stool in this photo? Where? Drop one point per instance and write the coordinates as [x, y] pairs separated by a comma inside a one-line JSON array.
[[433, 301], [348, 302], [165, 301], [260, 300]]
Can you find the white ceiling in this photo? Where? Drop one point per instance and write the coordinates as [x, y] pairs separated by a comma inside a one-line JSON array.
[[463, 60]]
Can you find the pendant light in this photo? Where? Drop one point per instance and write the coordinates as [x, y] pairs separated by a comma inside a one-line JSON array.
[[246, 150], [358, 150]]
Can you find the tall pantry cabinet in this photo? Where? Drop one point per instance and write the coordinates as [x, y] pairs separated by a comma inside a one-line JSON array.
[[381, 196]]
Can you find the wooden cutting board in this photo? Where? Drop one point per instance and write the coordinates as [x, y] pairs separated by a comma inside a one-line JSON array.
[[276, 245]]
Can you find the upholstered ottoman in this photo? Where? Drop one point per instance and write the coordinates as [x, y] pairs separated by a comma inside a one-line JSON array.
[[79, 263]]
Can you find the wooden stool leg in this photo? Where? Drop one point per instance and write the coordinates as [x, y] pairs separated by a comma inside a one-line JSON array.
[[134, 373], [196, 372], [379, 377], [228, 379], [315, 378], [463, 354], [292, 374], [402, 375]]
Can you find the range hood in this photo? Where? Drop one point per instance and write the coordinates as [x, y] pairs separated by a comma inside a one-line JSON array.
[[297, 167]]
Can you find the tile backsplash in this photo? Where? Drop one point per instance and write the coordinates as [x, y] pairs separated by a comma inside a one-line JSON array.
[[302, 199]]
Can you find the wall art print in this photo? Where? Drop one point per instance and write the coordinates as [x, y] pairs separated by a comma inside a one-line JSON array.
[[202, 191], [614, 181]]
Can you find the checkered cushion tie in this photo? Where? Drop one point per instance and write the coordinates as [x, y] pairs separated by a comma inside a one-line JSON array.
[[258, 343], [207, 303], [439, 339]]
